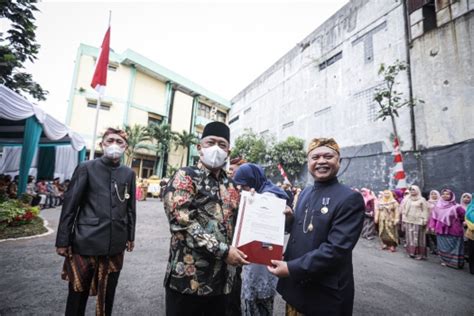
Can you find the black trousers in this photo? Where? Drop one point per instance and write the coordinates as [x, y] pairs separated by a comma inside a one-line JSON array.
[[77, 301], [470, 251], [233, 302], [178, 304]]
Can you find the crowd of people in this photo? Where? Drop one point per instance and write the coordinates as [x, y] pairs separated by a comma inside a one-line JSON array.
[[433, 221], [45, 193], [206, 274]]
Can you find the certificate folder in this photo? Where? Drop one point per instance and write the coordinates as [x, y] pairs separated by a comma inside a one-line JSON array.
[[260, 227], [262, 253]]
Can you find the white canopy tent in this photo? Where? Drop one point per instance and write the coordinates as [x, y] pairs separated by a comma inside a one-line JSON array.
[[25, 124]]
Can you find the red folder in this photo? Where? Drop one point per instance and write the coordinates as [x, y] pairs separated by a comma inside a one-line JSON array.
[[262, 253]]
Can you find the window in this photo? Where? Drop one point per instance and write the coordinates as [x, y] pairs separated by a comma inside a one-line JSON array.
[[154, 119], [112, 67], [232, 120], [103, 105], [204, 110], [330, 61], [220, 116], [429, 16], [247, 110], [286, 125]]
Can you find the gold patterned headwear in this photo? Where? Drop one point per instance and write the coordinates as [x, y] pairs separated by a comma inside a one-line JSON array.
[[320, 142]]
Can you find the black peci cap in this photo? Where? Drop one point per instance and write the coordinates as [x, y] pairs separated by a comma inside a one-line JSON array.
[[216, 129]]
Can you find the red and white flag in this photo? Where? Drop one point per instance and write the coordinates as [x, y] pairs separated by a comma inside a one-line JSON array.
[[99, 81]]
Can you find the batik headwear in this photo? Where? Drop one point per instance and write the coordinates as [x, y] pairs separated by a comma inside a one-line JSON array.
[[389, 199], [218, 129], [470, 215], [238, 161], [252, 175], [464, 205], [323, 142], [445, 211]]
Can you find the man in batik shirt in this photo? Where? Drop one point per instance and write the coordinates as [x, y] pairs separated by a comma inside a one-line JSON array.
[[201, 205]]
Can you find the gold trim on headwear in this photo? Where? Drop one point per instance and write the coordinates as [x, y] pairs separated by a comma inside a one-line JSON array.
[[323, 142]]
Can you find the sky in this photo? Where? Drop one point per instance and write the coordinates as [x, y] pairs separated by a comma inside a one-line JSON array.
[[221, 45]]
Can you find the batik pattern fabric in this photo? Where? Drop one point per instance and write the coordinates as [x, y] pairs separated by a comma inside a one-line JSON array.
[[387, 216], [91, 272], [201, 211], [451, 251], [416, 240], [258, 307]]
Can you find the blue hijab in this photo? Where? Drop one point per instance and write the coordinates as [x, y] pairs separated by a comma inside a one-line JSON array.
[[252, 175], [469, 215]]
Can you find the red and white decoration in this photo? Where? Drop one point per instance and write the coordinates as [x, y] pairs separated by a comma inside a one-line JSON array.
[[99, 81], [398, 172], [283, 174]]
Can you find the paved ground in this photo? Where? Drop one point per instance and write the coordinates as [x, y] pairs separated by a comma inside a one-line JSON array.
[[386, 283]]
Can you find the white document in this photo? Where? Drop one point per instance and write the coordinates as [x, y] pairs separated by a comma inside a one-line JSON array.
[[260, 219]]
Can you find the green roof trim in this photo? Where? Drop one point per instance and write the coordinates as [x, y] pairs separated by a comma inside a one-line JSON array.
[[132, 57]]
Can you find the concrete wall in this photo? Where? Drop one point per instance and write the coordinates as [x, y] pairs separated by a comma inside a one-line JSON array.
[[314, 92], [442, 67], [299, 96], [181, 120]]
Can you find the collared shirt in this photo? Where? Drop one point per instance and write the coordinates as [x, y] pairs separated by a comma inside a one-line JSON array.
[[201, 210]]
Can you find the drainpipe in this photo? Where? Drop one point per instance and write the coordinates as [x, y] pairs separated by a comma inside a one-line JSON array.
[[410, 85]]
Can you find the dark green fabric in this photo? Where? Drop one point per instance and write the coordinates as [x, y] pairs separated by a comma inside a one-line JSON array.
[[31, 138], [46, 162]]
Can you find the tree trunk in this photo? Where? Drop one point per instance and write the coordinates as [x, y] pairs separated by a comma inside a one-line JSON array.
[[394, 126]]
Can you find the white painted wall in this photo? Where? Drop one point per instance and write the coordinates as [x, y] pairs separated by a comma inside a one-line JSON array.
[[295, 97]]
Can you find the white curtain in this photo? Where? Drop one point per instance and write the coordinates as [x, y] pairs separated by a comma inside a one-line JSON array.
[[66, 162], [10, 161], [14, 107]]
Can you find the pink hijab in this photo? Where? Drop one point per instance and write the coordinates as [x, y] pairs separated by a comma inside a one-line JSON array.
[[432, 202], [444, 211], [367, 195]]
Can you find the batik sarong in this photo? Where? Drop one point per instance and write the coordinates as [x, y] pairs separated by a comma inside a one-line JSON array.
[[451, 250]]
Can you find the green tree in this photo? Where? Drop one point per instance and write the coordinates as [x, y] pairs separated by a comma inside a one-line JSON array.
[[18, 45], [185, 140], [163, 137], [251, 147], [137, 135], [388, 98], [290, 154]]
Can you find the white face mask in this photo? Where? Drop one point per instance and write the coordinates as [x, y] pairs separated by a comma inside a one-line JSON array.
[[113, 151], [213, 157]]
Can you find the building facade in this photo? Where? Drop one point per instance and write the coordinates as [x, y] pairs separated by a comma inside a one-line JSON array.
[[140, 91], [325, 86]]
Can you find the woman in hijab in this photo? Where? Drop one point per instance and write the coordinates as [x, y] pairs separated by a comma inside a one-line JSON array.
[[430, 235], [415, 217], [258, 284], [466, 199], [470, 235], [387, 216], [447, 222], [368, 230]]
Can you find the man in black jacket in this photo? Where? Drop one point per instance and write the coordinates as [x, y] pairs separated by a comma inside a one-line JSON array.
[[316, 277], [97, 224]]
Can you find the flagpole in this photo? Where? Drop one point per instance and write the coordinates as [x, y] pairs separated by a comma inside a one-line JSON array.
[[94, 134], [96, 122]]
